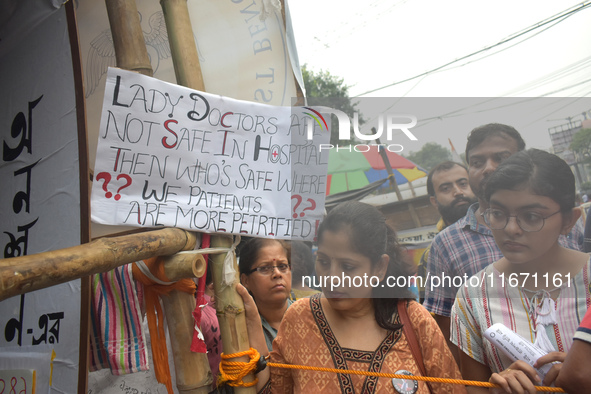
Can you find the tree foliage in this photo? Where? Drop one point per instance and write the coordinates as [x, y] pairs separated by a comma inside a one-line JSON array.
[[325, 89], [581, 144], [429, 155]]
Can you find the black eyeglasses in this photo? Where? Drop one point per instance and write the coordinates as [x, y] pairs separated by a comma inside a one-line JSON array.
[[528, 221], [269, 269]]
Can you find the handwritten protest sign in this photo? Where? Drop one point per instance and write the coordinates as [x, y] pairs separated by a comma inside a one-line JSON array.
[[171, 156]]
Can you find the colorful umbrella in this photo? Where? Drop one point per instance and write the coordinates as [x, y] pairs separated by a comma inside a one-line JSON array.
[[352, 170]]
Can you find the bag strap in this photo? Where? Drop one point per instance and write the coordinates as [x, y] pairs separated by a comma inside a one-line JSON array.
[[411, 338]]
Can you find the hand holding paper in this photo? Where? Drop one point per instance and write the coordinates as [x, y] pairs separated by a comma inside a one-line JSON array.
[[517, 348]]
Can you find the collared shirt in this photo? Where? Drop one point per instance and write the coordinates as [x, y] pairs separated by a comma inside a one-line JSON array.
[[441, 225], [460, 251]]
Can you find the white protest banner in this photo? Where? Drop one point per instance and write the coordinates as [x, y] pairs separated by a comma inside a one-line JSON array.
[[171, 156], [40, 194]]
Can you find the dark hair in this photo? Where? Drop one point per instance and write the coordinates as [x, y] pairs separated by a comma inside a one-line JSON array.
[[248, 252], [480, 133], [544, 173], [302, 261], [443, 166], [370, 236]]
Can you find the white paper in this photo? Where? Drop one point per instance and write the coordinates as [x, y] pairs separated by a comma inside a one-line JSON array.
[[516, 347]]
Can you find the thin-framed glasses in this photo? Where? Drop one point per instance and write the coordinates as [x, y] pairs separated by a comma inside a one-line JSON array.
[[528, 221], [269, 269]]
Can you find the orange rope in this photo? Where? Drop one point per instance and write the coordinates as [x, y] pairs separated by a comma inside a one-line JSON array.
[[363, 373], [233, 372], [409, 377]]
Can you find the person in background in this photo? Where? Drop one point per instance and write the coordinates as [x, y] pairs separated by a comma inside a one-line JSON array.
[[449, 191], [265, 270], [302, 265], [350, 326], [468, 246], [531, 204]]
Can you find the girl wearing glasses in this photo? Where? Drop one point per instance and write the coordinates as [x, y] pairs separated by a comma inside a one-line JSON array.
[[357, 325], [539, 289], [265, 271]]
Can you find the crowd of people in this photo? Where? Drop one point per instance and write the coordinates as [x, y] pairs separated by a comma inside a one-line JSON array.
[[509, 222]]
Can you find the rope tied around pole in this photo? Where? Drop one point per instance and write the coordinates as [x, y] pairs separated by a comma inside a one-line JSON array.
[[232, 372], [242, 369]]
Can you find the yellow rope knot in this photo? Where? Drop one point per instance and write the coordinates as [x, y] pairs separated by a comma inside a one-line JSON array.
[[232, 372]]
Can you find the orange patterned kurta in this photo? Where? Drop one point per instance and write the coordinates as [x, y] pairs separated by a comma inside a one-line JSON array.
[[305, 338]]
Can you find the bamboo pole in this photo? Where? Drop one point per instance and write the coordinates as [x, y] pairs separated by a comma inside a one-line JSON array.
[[19, 275], [193, 374], [182, 44], [128, 37], [230, 310]]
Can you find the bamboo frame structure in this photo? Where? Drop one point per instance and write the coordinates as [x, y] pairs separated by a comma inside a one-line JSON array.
[[132, 54], [229, 305], [28, 273]]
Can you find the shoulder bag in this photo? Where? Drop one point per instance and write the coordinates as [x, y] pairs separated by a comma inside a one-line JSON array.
[[411, 338]]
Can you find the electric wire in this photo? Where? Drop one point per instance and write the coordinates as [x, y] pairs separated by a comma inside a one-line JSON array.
[[557, 18]]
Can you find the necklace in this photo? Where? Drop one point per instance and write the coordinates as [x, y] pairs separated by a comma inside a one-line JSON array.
[[542, 313], [540, 302]]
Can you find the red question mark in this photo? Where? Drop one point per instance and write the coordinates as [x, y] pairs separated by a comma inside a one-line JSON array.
[[299, 198], [311, 207], [128, 179], [107, 177]]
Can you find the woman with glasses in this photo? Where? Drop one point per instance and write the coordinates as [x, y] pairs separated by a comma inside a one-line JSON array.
[[265, 271], [355, 325], [539, 289]]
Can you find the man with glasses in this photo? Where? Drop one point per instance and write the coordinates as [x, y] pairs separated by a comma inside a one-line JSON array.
[[467, 246]]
